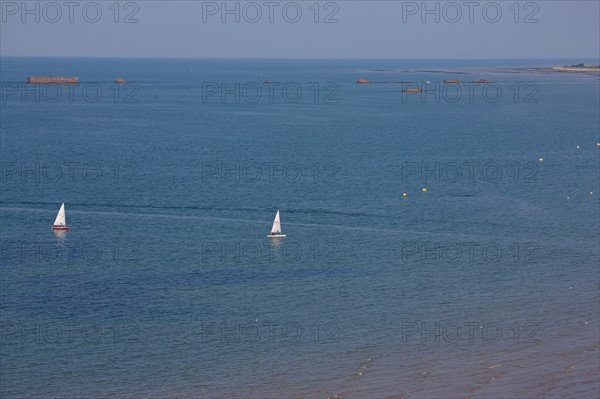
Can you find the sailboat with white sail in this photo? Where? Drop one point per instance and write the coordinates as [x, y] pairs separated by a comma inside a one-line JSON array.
[[60, 223], [276, 229]]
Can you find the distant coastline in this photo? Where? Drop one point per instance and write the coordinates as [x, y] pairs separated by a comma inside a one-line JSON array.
[[577, 68]]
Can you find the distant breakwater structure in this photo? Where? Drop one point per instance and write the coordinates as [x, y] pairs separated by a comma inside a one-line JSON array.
[[447, 81], [363, 80], [60, 80], [53, 79]]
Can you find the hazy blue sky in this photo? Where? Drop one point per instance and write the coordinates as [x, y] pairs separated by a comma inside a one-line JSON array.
[[364, 29]]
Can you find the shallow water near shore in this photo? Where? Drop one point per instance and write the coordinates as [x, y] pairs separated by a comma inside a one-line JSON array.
[[483, 285]]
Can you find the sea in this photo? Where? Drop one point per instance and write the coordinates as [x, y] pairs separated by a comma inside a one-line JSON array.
[[441, 243]]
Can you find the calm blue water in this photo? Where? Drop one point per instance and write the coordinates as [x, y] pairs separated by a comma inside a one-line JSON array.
[[485, 285]]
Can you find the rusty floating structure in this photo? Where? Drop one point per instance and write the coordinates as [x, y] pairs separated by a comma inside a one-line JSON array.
[[53, 79]]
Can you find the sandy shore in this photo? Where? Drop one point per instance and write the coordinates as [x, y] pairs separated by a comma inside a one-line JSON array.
[[494, 70], [572, 69]]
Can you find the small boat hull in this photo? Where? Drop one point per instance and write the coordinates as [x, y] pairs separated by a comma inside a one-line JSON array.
[[60, 228], [276, 235]]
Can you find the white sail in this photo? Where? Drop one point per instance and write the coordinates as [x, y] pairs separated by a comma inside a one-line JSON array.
[[276, 229], [61, 219]]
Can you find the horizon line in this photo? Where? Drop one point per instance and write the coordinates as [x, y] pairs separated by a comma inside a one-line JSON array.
[[297, 58]]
